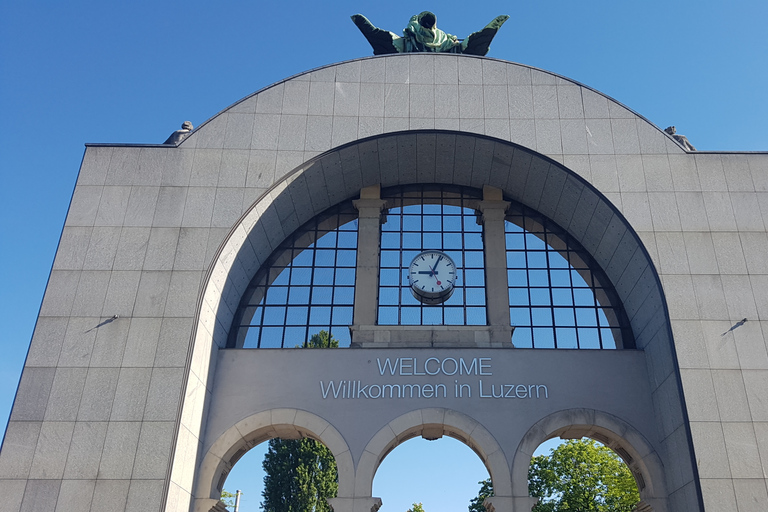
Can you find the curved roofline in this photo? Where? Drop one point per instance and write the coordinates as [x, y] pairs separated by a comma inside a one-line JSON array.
[[292, 77]]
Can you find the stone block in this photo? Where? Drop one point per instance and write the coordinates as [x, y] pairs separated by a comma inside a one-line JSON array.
[[599, 136], [755, 382], [60, 293], [751, 494], [119, 450], [152, 293], [40, 495], [755, 246], [141, 206], [372, 71], [709, 445], [144, 495], [110, 342], [131, 394], [164, 390], [65, 395], [112, 206], [122, 166], [18, 448], [84, 205], [12, 492], [689, 344], [153, 452], [46, 342], [745, 207], [75, 495], [548, 136], [470, 70], [110, 495], [98, 393], [718, 494], [93, 170], [545, 102], [520, 100], [85, 450], [700, 398], [32, 394], [51, 450], [345, 130], [625, 138], [470, 102], [719, 211], [170, 206], [72, 248]]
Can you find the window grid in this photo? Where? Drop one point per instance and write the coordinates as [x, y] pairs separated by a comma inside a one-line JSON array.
[[557, 297], [423, 217], [307, 286]]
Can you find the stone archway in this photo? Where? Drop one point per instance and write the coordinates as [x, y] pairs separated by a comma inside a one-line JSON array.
[[636, 451], [434, 156], [433, 423], [225, 451]]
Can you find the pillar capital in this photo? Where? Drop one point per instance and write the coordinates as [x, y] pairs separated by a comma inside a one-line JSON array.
[[509, 503], [357, 504]]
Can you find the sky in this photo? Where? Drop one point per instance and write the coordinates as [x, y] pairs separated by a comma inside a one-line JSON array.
[[82, 71]]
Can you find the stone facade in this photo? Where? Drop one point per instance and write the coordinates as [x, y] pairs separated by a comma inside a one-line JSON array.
[[160, 242]]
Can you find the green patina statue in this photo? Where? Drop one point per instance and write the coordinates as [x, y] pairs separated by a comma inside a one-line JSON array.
[[422, 35]]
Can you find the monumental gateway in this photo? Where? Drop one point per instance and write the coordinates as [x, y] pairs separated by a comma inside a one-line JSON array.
[[588, 276]]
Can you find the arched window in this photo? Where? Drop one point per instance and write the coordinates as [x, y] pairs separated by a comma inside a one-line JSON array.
[[558, 296], [422, 217], [306, 286]]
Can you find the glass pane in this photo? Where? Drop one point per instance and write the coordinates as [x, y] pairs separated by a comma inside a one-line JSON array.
[[271, 337], [522, 337], [566, 338]]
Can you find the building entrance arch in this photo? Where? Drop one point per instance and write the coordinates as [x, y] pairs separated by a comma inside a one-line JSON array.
[[431, 424], [230, 446], [452, 158], [635, 450]]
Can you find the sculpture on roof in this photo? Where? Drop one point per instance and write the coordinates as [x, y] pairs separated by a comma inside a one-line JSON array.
[[680, 139], [422, 35], [178, 135]]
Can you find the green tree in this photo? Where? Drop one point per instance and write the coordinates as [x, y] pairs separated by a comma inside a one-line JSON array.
[[228, 498], [417, 507], [486, 491], [300, 474], [581, 476], [577, 476]]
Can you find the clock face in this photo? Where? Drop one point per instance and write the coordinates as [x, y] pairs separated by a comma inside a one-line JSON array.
[[432, 275]]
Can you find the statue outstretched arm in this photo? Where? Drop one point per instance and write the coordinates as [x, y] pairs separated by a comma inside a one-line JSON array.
[[478, 43], [382, 41]]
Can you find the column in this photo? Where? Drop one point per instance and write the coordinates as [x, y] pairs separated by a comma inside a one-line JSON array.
[[494, 209], [370, 207]]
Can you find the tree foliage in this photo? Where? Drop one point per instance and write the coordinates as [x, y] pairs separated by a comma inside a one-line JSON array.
[[300, 474], [417, 507], [228, 498], [577, 476], [582, 476], [486, 491]]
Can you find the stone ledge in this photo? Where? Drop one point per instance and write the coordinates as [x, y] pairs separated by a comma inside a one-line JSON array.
[[443, 336]]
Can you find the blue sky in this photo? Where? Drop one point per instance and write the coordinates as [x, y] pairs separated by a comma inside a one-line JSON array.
[[131, 72]]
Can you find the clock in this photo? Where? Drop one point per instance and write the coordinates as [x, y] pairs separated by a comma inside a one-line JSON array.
[[432, 275]]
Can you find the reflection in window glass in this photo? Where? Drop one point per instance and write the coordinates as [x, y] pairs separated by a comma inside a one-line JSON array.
[[307, 286], [431, 217], [556, 298]]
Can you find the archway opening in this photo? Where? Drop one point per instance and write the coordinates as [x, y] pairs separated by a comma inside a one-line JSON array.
[[274, 465], [583, 474], [442, 475]]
